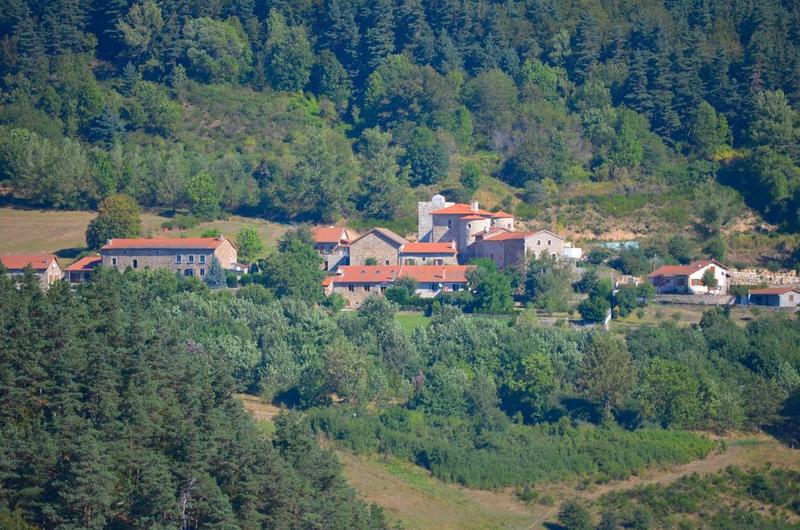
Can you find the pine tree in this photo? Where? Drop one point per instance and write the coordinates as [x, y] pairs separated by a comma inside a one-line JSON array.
[[216, 278], [447, 58], [722, 92], [686, 78], [637, 93], [107, 127], [342, 35], [30, 45], [415, 35], [585, 47], [379, 32]]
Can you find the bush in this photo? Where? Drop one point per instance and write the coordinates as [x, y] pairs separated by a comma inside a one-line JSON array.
[[181, 222], [575, 516]]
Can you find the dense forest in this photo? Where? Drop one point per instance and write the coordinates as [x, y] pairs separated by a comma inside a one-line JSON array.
[[118, 409], [318, 110]]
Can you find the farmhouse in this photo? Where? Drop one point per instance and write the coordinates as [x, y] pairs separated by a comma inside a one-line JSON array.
[[333, 245], [775, 297], [81, 270], [186, 256], [45, 266], [688, 279], [379, 244], [507, 248], [356, 282]]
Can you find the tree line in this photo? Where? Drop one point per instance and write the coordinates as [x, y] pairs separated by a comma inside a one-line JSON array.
[[395, 92]]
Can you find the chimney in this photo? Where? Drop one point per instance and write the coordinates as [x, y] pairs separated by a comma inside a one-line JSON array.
[[473, 205]]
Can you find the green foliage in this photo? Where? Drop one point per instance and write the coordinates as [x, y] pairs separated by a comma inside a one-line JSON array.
[[118, 216], [517, 455], [216, 278], [491, 289], [607, 373], [248, 241], [288, 55], [547, 284], [427, 157], [216, 51], [115, 367], [296, 269], [574, 516]]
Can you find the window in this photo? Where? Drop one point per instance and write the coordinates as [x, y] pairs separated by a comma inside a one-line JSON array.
[[383, 288], [202, 272], [386, 262], [351, 288], [456, 287], [538, 242], [366, 287], [449, 223], [113, 261], [177, 258], [188, 273], [549, 242], [433, 287], [791, 298], [438, 261], [202, 258], [191, 258], [136, 264], [697, 281], [325, 265]]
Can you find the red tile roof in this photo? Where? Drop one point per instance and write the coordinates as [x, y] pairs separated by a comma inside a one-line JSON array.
[[502, 215], [85, 264], [38, 262], [331, 234], [474, 217], [388, 273], [460, 209], [210, 243], [501, 234], [428, 248], [775, 290], [327, 281], [684, 270]]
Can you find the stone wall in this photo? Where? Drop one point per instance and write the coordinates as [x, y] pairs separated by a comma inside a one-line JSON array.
[[762, 276], [372, 245]]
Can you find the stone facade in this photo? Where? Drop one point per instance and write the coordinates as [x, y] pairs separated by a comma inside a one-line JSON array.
[[425, 219], [382, 245], [509, 249], [192, 258], [46, 267]]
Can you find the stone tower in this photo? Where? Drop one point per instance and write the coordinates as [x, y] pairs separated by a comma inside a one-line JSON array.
[[425, 220]]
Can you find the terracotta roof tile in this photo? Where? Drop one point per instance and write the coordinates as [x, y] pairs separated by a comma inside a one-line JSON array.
[[460, 209], [502, 215], [684, 270], [165, 243], [388, 273], [38, 262], [85, 264], [428, 248], [331, 234]]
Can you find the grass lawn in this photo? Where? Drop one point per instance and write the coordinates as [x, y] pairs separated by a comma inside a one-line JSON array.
[[411, 497], [410, 321], [30, 231]]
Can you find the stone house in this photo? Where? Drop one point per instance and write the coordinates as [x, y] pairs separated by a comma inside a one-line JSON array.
[[81, 270], [788, 297], [429, 254], [189, 257], [356, 282], [688, 279], [333, 245], [380, 244], [45, 266], [507, 248]]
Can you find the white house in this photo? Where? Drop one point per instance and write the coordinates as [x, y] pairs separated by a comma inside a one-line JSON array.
[[688, 279]]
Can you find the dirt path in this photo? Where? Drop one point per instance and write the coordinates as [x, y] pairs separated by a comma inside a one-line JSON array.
[[260, 410]]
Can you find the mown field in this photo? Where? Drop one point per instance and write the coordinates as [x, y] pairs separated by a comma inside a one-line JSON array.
[[31, 231]]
